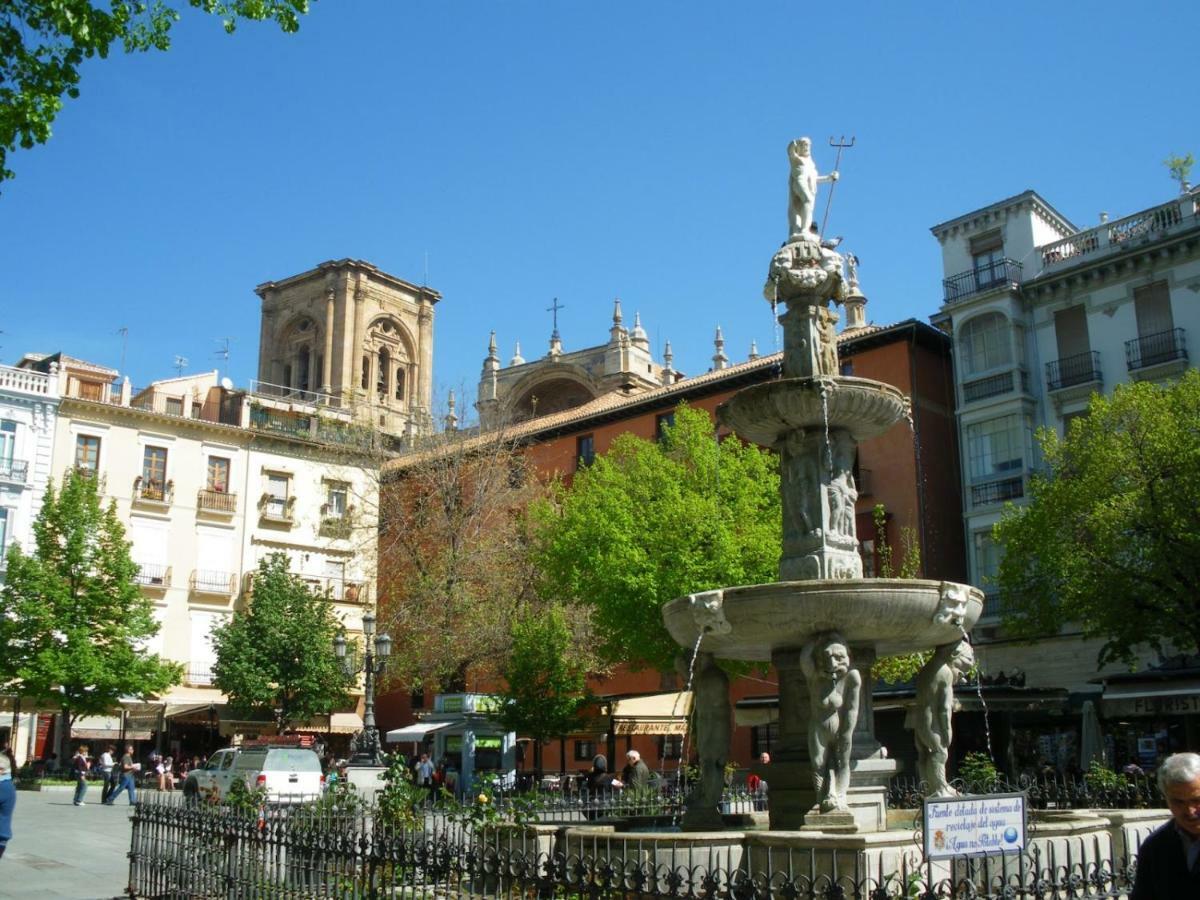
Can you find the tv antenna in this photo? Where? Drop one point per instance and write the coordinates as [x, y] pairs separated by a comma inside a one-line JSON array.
[[180, 363], [223, 350]]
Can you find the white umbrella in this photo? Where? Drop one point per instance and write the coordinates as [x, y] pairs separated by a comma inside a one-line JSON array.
[[1091, 743]]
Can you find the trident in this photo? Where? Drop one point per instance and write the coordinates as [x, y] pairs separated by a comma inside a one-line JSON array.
[[841, 145]]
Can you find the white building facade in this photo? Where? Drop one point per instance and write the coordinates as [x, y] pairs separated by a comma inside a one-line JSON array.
[[1044, 314]]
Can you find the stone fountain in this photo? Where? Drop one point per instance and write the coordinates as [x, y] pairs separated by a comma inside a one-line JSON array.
[[822, 624]]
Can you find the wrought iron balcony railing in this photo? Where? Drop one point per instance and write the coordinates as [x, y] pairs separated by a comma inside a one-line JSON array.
[[216, 501], [152, 491], [200, 674], [14, 470], [153, 576], [1155, 349], [1082, 368], [210, 581], [1000, 273], [999, 491], [276, 509]]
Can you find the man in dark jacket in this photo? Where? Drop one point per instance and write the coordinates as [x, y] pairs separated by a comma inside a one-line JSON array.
[[1168, 863], [636, 773]]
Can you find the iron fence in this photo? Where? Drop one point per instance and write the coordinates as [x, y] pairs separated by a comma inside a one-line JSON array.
[[353, 851], [1051, 792]]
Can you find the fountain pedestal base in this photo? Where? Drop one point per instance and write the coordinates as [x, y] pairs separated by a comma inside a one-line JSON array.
[[793, 800]]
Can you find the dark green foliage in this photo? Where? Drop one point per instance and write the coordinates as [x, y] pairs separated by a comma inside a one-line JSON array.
[[1111, 537], [275, 658], [73, 622]]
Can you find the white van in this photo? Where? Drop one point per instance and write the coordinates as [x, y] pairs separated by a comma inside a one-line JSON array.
[[289, 774]]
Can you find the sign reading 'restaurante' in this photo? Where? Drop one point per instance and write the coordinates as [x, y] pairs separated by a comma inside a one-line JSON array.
[[974, 825]]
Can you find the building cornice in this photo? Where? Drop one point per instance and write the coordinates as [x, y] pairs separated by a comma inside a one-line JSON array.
[[997, 212], [373, 273]]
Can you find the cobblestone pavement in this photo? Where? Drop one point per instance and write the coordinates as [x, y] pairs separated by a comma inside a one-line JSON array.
[[62, 851]]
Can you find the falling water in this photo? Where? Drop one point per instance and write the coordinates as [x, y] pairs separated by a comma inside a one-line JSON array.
[[687, 732], [987, 725], [825, 416], [777, 330]]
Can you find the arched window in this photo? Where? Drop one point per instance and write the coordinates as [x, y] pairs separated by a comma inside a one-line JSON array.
[[302, 367], [400, 383], [385, 365], [985, 343], [366, 372]]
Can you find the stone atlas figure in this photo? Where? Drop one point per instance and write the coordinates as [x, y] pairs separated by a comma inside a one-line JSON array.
[[930, 718], [833, 692]]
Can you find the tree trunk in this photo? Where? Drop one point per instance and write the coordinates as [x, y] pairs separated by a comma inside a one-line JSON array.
[[562, 754], [537, 757], [64, 736]]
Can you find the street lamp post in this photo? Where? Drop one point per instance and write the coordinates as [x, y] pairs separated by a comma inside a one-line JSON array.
[[366, 748]]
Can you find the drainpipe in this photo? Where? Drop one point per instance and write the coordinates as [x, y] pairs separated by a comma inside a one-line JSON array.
[[912, 380]]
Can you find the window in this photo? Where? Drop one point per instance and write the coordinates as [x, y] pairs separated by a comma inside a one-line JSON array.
[[585, 751], [87, 453], [400, 383], [585, 450], [3, 534], [335, 500], [277, 495], [302, 364], [197, 409], [987, 259], [8, 444], [366, 372], [846, 367], [662, 422], [1152, 306], [385, 365], [173, 406], [987, 561], [91, 390], [154, 473], [418, 699], [985, 343], [763, 739], [218, 474], [996, 447], [866, 549], [670, 746]]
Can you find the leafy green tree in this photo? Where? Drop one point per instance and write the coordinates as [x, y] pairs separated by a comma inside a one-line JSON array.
[[43, 44], [73, 622], [275, 658], [650, 521], [546, 680], [1111, 536], [1180, 168]]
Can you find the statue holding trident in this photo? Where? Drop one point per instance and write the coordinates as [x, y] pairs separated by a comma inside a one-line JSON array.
[[802, 190]]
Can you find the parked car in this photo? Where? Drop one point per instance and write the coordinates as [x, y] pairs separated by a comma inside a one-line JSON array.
[[289, 774]]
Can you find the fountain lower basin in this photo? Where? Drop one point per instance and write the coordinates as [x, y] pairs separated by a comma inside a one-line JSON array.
[[893, 615]]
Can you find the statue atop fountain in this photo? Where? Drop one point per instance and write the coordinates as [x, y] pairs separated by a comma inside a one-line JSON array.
[[822, 625]]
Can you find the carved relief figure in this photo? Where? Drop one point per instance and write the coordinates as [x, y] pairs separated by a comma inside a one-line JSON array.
[[802, 189], [842, 492], [804, 487], [930, 718], [828, 337], [833, 690]]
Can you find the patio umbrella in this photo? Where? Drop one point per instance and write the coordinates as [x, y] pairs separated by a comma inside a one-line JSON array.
[[1091, 743]]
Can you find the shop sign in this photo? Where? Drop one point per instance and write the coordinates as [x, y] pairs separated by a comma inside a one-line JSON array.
[[974, 825], [488, 743], [1178, 705]]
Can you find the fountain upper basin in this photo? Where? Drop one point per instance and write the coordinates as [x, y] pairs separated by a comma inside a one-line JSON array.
[[762, 413], [891, 614]]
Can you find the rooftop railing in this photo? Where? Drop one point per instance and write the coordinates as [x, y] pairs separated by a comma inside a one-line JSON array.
[[23, 381], [293, 394], [1120, 233]]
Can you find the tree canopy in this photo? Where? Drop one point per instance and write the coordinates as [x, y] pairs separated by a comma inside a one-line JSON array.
[[649, 521], [545, 679], [275, 658], [73, 621], [43, 44], [1111, 536]]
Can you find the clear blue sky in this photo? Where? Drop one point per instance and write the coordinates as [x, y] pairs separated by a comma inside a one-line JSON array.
[[571, 150]]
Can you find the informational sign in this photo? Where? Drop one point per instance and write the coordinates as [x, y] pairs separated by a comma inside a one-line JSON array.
[[974, 825]]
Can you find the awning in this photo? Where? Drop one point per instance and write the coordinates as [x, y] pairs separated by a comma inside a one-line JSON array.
[[1152, 698], [415, 733], [106, 728], [652, 714], [338, 723]]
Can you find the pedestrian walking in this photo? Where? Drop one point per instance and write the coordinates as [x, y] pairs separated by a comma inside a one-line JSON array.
[[80, 764], [128, 773], [106, 765], [8, 799]]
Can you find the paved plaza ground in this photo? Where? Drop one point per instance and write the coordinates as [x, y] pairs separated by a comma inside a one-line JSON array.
[[60, 851]]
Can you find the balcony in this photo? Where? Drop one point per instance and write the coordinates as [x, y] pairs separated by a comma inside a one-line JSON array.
[[1111, 237], [210, 581], [217, 502], [1072, 371], [1001, 273], [336, 527], [276, 510], [14, 471], [294, 395], [340, 590], [25, 381], [199, 674], [995, 385], [1155, 350], [1000, 490], [153, 576], [153, 492]]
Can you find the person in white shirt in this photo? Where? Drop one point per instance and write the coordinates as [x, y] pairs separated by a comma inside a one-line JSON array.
[[107, 763]]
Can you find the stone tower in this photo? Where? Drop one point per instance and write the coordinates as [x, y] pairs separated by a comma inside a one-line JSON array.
[[348, 335]]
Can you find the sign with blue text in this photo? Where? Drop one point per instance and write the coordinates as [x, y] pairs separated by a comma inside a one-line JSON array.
[[974, 825]]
